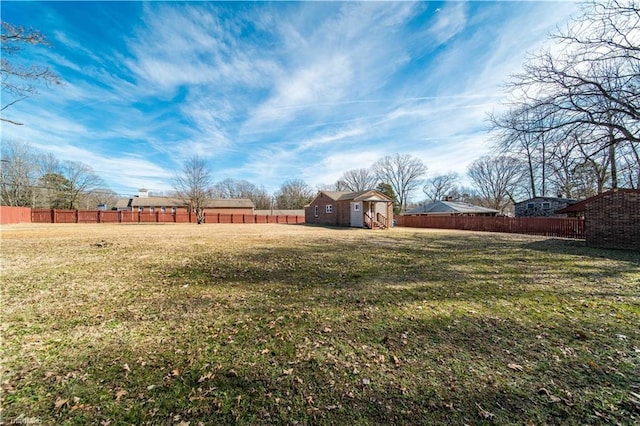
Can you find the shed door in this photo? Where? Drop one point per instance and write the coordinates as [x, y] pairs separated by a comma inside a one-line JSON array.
[[357, 217]]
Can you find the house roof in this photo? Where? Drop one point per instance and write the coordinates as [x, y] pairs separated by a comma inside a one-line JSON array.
[[581, 206], [556, 199], [177, 202], [123, 203], [440, 207], [276, 212], [228, 203], [369, 195], [156, 202]]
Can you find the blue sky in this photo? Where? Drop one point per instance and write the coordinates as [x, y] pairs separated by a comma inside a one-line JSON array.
[[271, 91]]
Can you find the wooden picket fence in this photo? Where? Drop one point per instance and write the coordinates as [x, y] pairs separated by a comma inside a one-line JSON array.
[[100, 216], [550, 227]]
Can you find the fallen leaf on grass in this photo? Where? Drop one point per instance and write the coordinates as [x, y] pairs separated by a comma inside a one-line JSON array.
[[551, 396], [287, 372], [120, 393], [206, 377], [396, 361], [484, 413], [60, 403], [516, 367]]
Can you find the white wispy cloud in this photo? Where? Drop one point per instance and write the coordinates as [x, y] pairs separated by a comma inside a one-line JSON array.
[[273, 91], [448, 21]]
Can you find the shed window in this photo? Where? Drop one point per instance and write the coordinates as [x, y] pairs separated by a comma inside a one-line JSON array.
[[316, 212], [546, 205], [328, 208], [356, 207], [530, 205]]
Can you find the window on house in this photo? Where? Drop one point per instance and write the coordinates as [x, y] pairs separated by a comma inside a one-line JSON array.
[[140, 209], [328, 208], [173, 209], [163, 209], [316, 211], [356, 207], [530, 205], [546, 205], [152, 209]]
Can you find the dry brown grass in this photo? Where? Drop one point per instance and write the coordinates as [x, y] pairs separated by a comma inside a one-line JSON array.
[[287, 323]]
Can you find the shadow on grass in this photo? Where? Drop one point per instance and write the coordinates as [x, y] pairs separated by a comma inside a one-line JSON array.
[[579, 248]]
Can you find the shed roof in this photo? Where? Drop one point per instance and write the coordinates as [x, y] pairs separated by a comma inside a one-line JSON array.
[[440, 207], [368, 195]]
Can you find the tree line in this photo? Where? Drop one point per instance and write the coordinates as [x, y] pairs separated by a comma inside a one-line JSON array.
[[32, 179]]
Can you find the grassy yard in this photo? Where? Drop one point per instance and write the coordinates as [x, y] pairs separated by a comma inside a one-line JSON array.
[[273, 324]]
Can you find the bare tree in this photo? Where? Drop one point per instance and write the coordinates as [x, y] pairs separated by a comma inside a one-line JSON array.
[[81, 180], [496, 180], [437, 187], [193, 184], [18, 174], [231, 188], [97, 197], [589, 84], [403, 173], [18, 80], [357, 180], [294, 194]]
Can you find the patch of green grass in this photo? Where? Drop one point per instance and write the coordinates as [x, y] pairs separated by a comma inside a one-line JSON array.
[[281, 324]]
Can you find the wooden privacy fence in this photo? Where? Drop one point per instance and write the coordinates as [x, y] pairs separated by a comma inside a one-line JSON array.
[[10, 215], [100, 216], [550, 227]]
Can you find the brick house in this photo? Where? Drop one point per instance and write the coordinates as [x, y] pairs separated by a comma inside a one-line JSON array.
[[144, 203], [612, 219], [542, 207], [364, 209]]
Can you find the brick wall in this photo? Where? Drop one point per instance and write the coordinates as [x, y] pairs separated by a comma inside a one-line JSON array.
[[612, 220], [323, 217]]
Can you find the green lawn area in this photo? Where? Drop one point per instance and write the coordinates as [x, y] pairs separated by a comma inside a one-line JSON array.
[[274, 324]]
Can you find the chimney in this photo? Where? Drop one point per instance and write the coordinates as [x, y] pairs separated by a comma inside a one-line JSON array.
[[143, 193]]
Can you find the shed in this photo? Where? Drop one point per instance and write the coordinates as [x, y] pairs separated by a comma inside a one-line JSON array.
[[363, 209]]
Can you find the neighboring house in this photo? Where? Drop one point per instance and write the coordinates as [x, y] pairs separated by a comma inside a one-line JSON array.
[[123, 204], [542, 207], [450, 208], [144, 203], [363, 209], [611, 219]]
